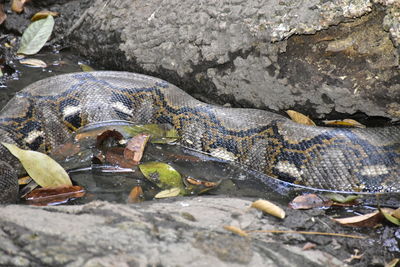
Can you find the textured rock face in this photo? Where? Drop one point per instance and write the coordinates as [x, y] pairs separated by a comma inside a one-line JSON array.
[[265, 54], [188, 231]]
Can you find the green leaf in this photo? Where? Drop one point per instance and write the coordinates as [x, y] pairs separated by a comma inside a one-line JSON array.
[[162, 174], [340, 198], [36, 35], [389, 217], [40, 167], [173, 192]]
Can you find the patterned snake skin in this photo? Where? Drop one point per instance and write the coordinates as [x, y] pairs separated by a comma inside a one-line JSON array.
[[45, 114]]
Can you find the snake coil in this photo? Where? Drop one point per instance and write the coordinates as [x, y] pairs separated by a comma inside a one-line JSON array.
[[47, 112]]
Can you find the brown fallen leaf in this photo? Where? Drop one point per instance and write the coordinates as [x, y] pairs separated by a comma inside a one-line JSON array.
[[235, 230], [366, 220], [3, 15], [18, 5], [269, 207], [300, 118], [54, 195], [344, 123], [309, 201], [136, 195], [114, 155], [135, 147], [43, 14]]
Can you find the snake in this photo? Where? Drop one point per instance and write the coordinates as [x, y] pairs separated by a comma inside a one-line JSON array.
[[48, 112]]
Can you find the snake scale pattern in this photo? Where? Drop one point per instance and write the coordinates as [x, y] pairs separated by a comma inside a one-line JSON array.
[[47, 112]]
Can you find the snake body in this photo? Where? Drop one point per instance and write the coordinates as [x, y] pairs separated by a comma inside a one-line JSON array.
[[46, 113]]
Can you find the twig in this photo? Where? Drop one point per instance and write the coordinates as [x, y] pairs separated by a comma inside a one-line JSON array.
[[304, 233]]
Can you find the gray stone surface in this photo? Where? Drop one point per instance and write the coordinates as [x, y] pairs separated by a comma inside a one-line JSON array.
[[188, 231], [246, 52]]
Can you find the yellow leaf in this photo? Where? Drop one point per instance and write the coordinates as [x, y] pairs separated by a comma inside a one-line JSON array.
[[345, 122], [40, 167], [43, 15], [85, 67], [300, 118], [388, 213], [173, 192], [268, 207]]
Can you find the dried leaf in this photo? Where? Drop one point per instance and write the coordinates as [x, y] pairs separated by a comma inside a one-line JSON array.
[[269, 207], [345, 123], [43, 14], [300, 118], [136, 195], [3, 15], [309, 201], [54, 195], [18, 5], [40, 167], [36, 35], [235, 230], [115, 156], [367, 220], [162, 174], [172, 192], [33, 62], [135, 147]]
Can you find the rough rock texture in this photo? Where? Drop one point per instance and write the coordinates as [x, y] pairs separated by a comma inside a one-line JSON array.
[[187, 231], [266, 54]]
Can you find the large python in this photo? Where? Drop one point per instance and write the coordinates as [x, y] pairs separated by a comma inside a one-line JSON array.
[[47, 112]]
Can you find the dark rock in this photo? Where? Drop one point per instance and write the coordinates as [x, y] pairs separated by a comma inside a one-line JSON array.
[[275, 55]]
